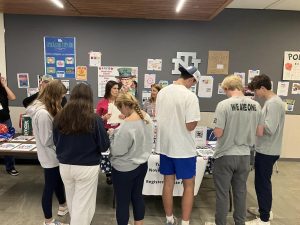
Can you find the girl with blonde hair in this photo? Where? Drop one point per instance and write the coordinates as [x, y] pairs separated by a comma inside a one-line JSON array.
[[131, 146], [42, 112]]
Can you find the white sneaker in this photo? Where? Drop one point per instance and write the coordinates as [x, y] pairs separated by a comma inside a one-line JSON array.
[[210, 223], [55, 222], [62, 211], [255, 211], [257, 221]]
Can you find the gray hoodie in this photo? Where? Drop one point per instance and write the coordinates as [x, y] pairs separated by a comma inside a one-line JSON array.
[[42, 129]]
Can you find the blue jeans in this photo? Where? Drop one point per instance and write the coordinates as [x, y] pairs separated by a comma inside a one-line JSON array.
[[9, 160]]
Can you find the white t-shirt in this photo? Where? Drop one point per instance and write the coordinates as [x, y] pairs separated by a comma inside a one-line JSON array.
[[176, 106]]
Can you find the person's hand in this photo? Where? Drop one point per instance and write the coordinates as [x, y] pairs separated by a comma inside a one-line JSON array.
[[3, 81], [110, 131], [122, 117], [106, 116]]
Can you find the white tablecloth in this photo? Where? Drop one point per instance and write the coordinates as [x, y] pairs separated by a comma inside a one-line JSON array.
[[153, 183]]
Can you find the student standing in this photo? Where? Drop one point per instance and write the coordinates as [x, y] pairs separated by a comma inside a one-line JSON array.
[[5, 95], [178, 113], [42, 111], [268, 147], [131, 146], [150, 105], [80, 137], [237, 122], [111, 92]]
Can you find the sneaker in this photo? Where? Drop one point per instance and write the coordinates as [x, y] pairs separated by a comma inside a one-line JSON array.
[[13, 172], [255, 211], [55, 222], [175, 222], [257, 221], [62, 210]]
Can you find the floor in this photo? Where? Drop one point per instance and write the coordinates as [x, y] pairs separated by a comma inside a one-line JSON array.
[[20, 199]]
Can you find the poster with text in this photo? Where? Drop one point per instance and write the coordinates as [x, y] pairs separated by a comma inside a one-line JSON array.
[[154, 64], [291, 66], [220, 89], [81, 73], [102, 83], [283, 88], [205, 87], [289, 104], [126, 75], [60, 56], [242, 75], [23, 80], [218, 62]]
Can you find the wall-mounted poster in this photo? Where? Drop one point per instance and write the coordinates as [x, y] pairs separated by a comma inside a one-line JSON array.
[[95, 58], [252, 74], [218, 62], [283, 88], [149, 79], [154, 64], [60, 56], [23, 80], [81, 73], [127, 76], [291, 66], [67, 85], [296, 89]]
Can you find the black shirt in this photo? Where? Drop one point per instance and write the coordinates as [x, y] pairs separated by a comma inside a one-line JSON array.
[[4, 110]]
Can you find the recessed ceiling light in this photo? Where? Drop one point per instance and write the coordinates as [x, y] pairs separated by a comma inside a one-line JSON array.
[[179, 6], [58, 3]]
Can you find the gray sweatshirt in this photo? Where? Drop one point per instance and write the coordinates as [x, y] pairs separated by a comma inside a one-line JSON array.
[[131, 144], [43, 128]]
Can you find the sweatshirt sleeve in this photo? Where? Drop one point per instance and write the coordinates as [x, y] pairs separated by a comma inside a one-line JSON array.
[[45, 129], [102, 139]]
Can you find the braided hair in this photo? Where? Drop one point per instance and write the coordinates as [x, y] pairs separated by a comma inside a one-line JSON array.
[[129, 100]]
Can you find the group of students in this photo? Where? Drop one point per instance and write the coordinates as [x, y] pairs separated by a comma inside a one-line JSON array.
[[70, 140]]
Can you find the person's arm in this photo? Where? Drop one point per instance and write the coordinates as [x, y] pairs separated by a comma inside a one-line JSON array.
[[218, 132], [272, 118], [192, 114], [45, 129], [102, 139], [27, 101], [260, 126], [10, 95], [191, 126]]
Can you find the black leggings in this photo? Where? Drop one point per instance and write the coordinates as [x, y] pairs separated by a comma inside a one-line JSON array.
[[53, 183], [128, 187]]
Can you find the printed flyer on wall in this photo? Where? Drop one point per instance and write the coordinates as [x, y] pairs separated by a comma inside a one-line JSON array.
[[60, 56]]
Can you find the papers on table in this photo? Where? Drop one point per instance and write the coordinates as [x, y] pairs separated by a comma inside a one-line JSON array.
[[23, 138], [115, 113], [17, 146]]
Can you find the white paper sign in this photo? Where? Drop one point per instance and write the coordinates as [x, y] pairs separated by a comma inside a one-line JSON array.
[[291, 66], [153, 182], [101, 84], [67, 85], [146, 95], [154, 64], [149, 80], [283, 88], [95, 59], [252, 74], [205, 87], [220, 89], [199, 136]]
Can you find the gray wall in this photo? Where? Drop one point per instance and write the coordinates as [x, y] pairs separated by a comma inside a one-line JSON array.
[[256, 39]]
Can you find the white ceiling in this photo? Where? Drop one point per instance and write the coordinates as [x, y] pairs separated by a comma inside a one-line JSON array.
[[266, 4]]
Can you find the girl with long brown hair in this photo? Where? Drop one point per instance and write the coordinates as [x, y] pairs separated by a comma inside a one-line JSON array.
[[42, 111], [131, 146], [80, 137]]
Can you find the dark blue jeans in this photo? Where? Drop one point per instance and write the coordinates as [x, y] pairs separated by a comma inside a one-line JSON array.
[[263, 185], [53, 183], [9, 160], [128, 187]]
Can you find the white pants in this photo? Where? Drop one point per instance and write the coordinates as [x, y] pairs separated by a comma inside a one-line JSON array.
[[81, 189]]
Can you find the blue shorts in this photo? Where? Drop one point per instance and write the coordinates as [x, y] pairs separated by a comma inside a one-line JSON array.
[[183, 168]]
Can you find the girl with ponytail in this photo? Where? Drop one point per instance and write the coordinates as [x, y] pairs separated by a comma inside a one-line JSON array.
[[131, 146]]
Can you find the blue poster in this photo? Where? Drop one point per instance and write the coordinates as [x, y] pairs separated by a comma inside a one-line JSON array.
[[60, 57]]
